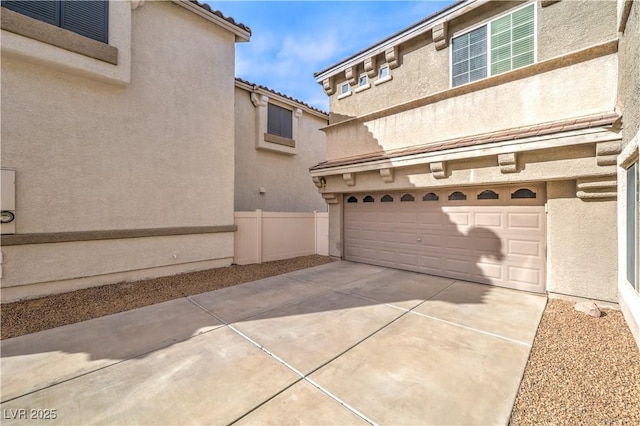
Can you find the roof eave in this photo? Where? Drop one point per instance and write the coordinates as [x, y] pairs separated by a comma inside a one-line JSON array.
[[415, 30], [241, 35]]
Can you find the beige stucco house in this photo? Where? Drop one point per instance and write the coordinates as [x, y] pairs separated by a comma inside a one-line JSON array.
[[277, 139], [117, 142], [489, 142]]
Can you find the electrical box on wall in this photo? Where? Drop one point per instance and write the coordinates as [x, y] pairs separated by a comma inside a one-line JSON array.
[[8, 201]]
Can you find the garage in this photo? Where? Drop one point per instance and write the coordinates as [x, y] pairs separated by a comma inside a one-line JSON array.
[[492, 235]]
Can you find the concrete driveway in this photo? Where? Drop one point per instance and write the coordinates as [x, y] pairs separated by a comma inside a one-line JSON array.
[[342, 343]]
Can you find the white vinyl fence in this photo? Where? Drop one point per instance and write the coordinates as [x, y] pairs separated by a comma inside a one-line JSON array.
[[265, 236]]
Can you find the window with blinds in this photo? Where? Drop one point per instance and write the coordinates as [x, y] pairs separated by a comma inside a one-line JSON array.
[[89, 18], [279, 121], [506, 43]]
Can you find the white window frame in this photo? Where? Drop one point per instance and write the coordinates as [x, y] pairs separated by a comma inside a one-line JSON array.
[[487, 23], [363, 83], [363, 80], [383, 67], [342, 94]]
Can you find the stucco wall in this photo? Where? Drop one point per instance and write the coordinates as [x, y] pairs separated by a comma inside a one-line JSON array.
[[540, 98], [562, 28], [284, 177], [582, 244], [629, 106], [93, 155]]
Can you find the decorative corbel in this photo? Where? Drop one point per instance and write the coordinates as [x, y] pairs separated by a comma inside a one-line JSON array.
[[259, 100], [508, 162], [607, 153], [328, 86], [136, 4], [298, 113], [319, 181], [439, 169], [352, 75], [597, 187], [349, 178], [440, 37], [370, 66], [330, 198], [387, 175], [391, 56]]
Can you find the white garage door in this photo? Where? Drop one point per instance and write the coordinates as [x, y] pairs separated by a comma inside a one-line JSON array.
[[491, 235]]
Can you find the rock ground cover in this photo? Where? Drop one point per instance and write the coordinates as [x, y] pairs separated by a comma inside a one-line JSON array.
[[582, 370], [30, 316]]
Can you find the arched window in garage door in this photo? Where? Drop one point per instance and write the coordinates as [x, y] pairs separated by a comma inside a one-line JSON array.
[[386, 199], [430, 196], [457, 196], [352, 199], [523, 193], [368, 199], [407, 197]]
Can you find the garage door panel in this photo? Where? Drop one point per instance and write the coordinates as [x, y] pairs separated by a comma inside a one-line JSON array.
[[489, 241], [491, 270], [489, 220], [458, 218], [524, 221], [524, 248], [526, 276]]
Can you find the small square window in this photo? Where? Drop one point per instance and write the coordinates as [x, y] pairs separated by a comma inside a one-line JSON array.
[[344, 88], [383, 71], [364, 79]]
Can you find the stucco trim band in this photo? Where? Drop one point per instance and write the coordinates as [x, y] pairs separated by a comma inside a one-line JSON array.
[[65, 237], [593, 52], [46, 33]]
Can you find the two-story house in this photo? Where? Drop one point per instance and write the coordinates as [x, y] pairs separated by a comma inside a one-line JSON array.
[[277, 139], [117, 142], [482, 144]]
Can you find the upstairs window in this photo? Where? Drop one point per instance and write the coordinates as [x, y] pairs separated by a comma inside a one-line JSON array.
[[364, 80], [88, 18], [502, 45], [344, 88], [279, 121], [383, 71]]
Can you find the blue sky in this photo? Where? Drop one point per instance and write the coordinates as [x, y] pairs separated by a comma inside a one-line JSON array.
[[293, 39]]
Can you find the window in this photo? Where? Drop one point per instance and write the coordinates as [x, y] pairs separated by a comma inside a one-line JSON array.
[[502, 45], [352, 199], [431, 196], [87, 18], [632, 213], [457, 196], [383, 71], [523, 193], [488, 195], [386, 199], [344, 88], [407, 197], [368, 199], [279, 121], [364, 79]]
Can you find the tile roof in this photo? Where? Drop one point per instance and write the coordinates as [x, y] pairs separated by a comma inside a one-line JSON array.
[[409, 28], [259, 86], [580, 123], [219, 14]]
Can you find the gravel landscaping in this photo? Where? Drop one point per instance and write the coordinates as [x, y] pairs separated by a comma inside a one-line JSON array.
[[581, 370], [30, 316]]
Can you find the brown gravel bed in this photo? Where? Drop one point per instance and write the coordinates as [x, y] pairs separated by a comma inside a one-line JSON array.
[[30, 316], [581, 371]]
